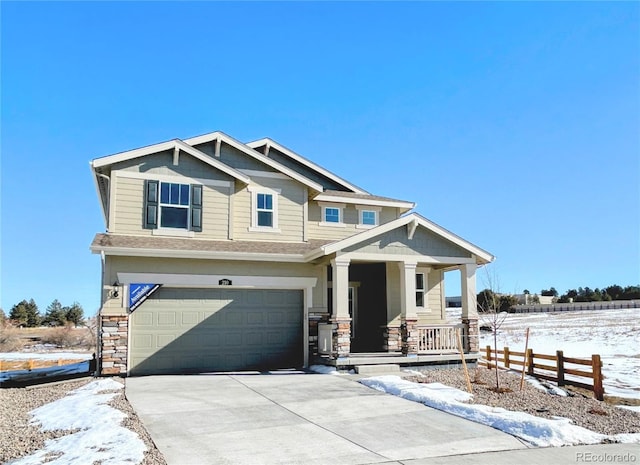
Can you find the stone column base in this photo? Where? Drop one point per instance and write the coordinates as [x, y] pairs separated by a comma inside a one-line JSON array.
[[471, 340], [392, 339], [341, 340], [113, 344], [409, 334]]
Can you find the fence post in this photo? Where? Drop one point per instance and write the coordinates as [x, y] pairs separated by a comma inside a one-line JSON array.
[[506, 357], [530, 362], [30, 364], [596, 364], [560, 367], [489, 357]]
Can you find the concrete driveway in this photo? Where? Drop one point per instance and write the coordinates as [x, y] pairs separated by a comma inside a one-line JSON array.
[[297, 418]]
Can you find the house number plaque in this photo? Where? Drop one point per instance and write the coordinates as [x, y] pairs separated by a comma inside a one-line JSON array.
[[225, 282]]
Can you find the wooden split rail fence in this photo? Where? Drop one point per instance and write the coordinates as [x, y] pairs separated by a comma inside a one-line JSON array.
[[10, 365], [536, 365]]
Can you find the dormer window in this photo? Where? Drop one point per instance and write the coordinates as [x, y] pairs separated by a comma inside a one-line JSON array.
[[368, 216], [332, 214]]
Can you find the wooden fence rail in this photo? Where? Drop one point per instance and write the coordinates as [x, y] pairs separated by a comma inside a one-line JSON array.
[[535, 366], [10, 365]]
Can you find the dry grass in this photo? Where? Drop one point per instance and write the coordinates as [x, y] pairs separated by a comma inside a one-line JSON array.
[[10, 340], [66, 337]]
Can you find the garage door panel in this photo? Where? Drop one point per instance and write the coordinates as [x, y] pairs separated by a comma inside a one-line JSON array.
[[196, 330]]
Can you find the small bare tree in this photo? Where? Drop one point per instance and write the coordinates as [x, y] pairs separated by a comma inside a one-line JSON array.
[[492, 312]]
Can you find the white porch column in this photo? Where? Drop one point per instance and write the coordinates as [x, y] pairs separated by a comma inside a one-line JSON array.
[[469, 295], [408, 290], [469, 317], [340, 291], [341, 340]]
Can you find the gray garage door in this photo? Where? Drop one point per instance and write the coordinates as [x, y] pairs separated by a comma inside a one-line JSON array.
[[198, 330]]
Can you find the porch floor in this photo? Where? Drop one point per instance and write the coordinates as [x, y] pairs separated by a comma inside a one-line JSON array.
[[385, 358]]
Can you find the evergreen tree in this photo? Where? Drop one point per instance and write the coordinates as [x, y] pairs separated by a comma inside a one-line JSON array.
[[56, 315], [25, 314], [74, 314]]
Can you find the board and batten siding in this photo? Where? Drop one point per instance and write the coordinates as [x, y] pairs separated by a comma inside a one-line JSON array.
[[290, 205], [128, 206]]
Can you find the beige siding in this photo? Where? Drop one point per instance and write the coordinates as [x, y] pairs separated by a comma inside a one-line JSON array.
[[128, 208], [393, 293], [434, 298], [350, 220], [290, 211]]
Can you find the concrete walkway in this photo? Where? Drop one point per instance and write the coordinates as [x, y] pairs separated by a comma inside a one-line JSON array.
[[299, 419]]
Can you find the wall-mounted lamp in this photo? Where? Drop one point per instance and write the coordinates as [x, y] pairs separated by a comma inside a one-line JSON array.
[[116, 286]]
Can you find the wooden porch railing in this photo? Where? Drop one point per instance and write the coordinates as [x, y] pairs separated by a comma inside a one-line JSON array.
[[439, 339]]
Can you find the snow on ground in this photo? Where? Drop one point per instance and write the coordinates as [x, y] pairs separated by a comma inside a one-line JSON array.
[[62, 370], [45, 356], [613, 334], [540, 432], [100, 437]]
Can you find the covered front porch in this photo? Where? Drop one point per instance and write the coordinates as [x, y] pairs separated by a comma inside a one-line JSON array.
[[385, 299]]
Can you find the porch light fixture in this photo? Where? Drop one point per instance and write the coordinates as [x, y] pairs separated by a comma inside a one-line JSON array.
[[114, 292]]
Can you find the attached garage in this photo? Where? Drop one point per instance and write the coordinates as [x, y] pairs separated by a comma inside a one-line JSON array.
[[180, 330]]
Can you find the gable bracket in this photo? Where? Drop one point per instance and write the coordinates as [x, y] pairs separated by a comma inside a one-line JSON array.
[[218, 143], [411, 228], [176, 155]]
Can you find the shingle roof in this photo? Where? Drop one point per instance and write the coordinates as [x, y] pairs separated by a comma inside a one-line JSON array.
[[104, 241], [354, 195]]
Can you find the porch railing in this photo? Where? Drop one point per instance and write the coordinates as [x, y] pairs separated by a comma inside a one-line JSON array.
[[439, 339]]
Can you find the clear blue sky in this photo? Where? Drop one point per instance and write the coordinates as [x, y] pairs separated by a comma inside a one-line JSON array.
[[514, 125]]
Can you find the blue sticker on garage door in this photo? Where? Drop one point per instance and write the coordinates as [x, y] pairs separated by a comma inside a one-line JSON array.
[[139, 292]]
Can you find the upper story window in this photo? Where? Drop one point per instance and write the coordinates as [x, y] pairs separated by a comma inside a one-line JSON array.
[[332, 214], [368, 216], [172, 206], [264, 209], [420, 290]]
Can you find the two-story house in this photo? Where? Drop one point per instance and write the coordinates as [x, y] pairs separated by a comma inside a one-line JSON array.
[[220, 255]]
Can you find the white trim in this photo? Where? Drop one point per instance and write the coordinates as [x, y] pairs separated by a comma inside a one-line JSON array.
[[426, 259], [206, 280], [359, 201], [255, 190], [264, 174], [305, 216], [254, 154], [112, 202], [97, 186], [199, 254], [172, 178], [172, 232], [304, 161], [323, 214], [364, 208], [172, 144], [482, 256]]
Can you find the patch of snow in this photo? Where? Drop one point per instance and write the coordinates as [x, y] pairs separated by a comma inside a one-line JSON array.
[[101, 437], [540, 432], [324, 370], [45, 356]]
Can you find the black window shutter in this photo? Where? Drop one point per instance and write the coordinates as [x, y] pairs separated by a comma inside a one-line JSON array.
[[196, 207], [151, 204]]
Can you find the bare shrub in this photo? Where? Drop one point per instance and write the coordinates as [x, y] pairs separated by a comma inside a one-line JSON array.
[[70, 337], [9, 339]]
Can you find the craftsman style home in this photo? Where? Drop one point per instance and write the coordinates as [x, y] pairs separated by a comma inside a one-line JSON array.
[[220, 255]]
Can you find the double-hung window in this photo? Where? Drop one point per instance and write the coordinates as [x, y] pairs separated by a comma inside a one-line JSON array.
[[264, 209], [172, 206], [332, 215]]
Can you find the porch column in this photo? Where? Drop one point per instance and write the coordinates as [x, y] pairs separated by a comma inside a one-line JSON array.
[[469, 307], [341, 341], [408, 312]]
